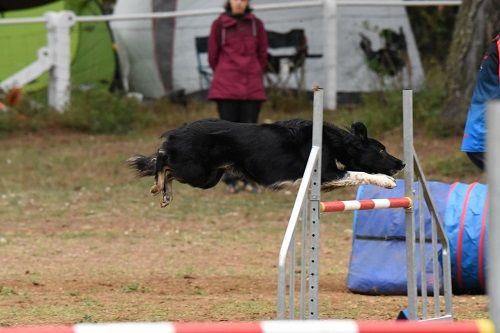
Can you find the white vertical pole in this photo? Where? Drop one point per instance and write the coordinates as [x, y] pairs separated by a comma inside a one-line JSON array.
[[493, 177], [58, 29], [423, 248], [409, 217], [315, 198], [291, 302], [330, 52], [304, 258]]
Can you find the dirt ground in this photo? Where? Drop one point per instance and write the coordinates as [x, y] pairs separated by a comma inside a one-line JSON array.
[[81, 240]]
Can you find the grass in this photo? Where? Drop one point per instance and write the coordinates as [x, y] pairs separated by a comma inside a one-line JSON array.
[[134, 287], [456, 165], [6, 291]]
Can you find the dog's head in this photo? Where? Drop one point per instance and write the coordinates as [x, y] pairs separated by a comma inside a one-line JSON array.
[[369, 155]]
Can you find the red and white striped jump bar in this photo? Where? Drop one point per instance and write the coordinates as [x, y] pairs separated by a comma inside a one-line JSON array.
[[342, 206], [289, 326]]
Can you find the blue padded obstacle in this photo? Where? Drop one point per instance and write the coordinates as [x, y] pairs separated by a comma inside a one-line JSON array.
[[378, 258], [465, 224]]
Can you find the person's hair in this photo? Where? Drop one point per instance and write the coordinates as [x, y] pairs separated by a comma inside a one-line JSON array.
[[227, 7]]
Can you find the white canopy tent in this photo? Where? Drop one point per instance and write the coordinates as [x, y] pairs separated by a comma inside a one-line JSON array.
[[158, 57]]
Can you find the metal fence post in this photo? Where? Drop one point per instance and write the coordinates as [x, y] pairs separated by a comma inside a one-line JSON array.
[[59, 42], [330, 52], [409, 217], [315, 198]]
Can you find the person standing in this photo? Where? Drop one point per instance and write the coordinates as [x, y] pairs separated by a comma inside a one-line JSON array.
[[487, 88], [237, 54]]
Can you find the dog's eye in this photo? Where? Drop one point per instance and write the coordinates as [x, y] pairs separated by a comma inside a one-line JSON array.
[[381, 151]]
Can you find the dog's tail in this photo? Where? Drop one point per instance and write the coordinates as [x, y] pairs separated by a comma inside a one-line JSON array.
[[144, 165]]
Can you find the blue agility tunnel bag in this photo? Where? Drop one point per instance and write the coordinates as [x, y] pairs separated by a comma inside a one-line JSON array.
[[378, 259], [466, 226]]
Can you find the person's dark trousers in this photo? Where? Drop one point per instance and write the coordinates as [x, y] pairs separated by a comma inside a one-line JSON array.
[[477, 159], [238, 111]]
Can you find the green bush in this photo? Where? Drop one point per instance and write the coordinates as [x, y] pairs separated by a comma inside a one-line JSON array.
[[8, 121], [101, 112], [164, 114], [382, 111], [287, 101], [428, 103], [29, 116]]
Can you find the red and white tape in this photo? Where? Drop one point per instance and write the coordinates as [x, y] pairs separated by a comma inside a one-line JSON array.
[[341, 206], [289, 326]]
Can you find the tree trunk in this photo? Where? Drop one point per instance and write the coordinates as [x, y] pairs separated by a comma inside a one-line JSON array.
[[477, 22]]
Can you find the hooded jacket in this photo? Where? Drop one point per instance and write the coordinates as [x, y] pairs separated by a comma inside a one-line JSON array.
[[237, 53], [487, 88]]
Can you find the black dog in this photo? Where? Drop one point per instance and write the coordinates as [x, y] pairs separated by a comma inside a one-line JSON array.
[[271, 155]]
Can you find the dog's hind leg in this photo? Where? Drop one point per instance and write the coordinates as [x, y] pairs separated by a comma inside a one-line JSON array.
[[168, 194], [163, 184], [159, 184], [160, 171]]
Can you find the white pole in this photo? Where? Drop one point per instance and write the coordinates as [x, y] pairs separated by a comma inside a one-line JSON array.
[[409, 215], [263, 7], [330, 52], [493, 177], [414, 3], [314, 209], [58, 30]]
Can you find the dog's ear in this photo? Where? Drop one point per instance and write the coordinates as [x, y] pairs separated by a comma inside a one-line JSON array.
[[359, 129]]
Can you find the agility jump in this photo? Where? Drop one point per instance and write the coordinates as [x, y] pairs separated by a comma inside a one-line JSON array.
[[350, 205], [308, 207]]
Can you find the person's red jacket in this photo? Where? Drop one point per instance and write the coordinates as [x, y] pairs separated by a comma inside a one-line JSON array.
[[237, 53]]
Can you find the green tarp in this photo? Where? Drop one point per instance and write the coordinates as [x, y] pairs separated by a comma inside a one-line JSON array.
[[93, 60]]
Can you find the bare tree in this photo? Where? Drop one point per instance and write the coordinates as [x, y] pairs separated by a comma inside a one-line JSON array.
[[476, 23]]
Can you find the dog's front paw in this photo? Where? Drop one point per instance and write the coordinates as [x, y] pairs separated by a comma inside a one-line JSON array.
[[385, 181]]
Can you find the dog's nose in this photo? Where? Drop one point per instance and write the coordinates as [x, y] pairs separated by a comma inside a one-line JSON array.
[[402, 165]]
